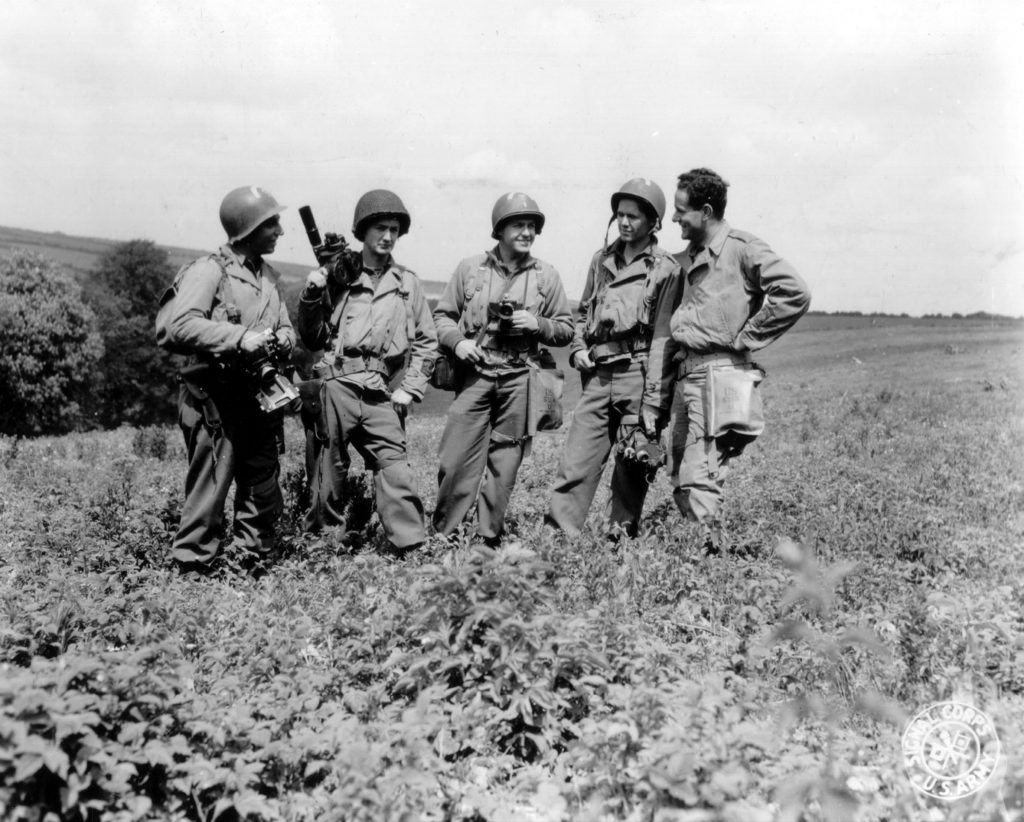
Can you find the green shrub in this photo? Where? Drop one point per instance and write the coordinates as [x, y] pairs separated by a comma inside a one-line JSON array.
[[49, 347]]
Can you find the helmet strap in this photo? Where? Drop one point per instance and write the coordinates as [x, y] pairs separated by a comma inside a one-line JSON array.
[[608, 244]]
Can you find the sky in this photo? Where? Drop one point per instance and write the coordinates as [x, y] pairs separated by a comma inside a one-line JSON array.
[[877, 146]]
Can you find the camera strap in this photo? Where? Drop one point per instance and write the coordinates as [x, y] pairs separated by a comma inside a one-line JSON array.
[[267, 288], [225, 294], [511, 281]]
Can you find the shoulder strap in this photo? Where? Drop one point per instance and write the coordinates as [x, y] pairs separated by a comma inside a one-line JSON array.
[[224, 292], [223, 284], [389, 333], [470, 294], [410, 319], [335, 325], [476, 286]]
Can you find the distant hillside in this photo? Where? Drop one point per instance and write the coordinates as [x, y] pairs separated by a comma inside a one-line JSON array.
[[80, 254]]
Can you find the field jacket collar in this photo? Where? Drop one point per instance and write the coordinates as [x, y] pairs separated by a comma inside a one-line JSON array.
[[257, 266], [713, 247], [493, 259], [390, 278], [614, 260]]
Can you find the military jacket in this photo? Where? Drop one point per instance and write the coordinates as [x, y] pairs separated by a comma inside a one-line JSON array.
[[210, 319], [469, 306], [391, 322], [619, 299], [734, 295]]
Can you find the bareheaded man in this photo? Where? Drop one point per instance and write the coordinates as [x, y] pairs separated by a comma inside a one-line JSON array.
[[733, 296]]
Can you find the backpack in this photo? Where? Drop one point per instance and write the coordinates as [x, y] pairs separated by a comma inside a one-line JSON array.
[[167, 310]]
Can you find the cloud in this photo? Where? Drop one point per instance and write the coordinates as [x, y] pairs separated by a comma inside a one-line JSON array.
[[492, 169], [875, 145]]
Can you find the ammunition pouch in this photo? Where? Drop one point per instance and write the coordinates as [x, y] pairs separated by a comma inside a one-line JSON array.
[[505, 348], [355, 363], [615, 349]]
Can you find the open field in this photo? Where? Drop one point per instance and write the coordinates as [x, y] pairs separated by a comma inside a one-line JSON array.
[[554, 678], [840, 349]]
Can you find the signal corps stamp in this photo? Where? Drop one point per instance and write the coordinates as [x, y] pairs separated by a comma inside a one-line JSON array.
[[950, 750]]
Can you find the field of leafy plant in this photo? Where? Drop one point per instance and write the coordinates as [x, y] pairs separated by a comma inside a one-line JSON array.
[[875, 568]]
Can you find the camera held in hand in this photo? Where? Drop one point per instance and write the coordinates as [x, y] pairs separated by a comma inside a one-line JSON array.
[[636, 448], [274, 391], [343, 264], [506, 308]]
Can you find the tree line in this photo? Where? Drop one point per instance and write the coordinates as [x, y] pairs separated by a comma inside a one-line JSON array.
[[80, 354]]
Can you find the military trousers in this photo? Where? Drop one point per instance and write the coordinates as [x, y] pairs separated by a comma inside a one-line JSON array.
[[699, 464], [481, 450], [232, 442], [610, 393], [366, 420]]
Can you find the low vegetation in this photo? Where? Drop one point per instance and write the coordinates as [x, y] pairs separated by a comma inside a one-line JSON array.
[[875, 568]]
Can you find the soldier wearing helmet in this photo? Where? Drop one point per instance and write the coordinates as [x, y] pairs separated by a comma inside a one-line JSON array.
[[377, 337], [610, 349], [226, 308], [498, 311]]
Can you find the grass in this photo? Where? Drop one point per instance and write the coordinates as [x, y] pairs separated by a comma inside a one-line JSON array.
[[556, 678]]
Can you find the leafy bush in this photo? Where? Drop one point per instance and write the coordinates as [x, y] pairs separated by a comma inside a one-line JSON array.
[[554, 678], [135, 382], [517, 674], [49, 347]]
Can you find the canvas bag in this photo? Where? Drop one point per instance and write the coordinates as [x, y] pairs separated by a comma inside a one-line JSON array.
[[166, 312], [545, 394], [445, 374], [733, 402]]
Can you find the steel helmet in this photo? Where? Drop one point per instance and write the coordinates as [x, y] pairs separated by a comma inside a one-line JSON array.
[[378, 203], [646, 192], [243, 209], [515, 204]]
